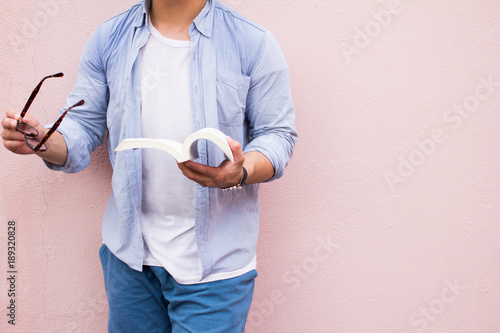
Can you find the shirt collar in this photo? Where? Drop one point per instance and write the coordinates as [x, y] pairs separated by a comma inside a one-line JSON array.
[[203, 22], [205, 19], [143, 14]]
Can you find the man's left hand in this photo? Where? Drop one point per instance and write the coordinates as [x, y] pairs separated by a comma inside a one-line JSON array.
[[226, 174]]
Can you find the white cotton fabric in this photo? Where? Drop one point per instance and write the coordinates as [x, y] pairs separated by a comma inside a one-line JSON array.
[[168, 213]]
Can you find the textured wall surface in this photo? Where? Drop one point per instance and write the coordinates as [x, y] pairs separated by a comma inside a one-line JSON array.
[[387, 219]]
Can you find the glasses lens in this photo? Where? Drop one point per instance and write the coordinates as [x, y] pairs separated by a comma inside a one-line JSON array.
[[32, 143], [27, 129]]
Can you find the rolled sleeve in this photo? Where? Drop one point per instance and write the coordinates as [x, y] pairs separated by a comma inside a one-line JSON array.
[[270, 109], [78, 150], [84, 127]]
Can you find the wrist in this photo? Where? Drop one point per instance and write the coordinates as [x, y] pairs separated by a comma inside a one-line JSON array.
[[240, 183]]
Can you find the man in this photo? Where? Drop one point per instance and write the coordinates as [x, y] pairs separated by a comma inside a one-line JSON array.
[[179, 251]]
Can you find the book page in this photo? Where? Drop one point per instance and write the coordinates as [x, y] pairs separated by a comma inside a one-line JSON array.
[[181, 152]]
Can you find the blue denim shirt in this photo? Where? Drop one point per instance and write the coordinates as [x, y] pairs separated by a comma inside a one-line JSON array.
[[239, 84]]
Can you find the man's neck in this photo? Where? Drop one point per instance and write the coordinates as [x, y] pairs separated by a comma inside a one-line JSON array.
[[172, 18]]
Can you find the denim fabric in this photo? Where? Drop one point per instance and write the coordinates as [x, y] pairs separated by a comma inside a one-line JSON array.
[[152, 301]]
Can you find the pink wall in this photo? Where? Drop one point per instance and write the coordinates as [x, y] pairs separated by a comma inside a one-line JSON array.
[[387, 219]]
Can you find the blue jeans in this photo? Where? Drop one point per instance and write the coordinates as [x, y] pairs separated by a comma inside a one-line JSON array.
[[152, 301]]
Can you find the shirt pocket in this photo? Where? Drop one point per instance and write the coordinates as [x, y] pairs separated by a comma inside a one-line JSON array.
[[232, 91]]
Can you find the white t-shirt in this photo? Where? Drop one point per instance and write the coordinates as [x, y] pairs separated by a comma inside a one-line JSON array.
[[167, 220], [168, 204]]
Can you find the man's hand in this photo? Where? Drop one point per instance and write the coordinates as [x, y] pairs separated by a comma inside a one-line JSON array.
[[226, 174], [14, 140]]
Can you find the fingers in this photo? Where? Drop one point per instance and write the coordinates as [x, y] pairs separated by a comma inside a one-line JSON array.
[[204, 171], [12, 135], [235, 146], [9, 124], [13, 114], [16, 146], [10, 121], [226, 174], [196, 173], [9, 131], [13, 140], [32, 122]]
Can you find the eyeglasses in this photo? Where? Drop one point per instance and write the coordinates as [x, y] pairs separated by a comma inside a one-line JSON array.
[[30, 133]]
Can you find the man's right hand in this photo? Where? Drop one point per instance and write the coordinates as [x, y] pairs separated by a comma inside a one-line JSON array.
[[14, 140]]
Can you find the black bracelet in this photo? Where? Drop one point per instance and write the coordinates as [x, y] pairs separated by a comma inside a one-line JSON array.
[[240, 184]]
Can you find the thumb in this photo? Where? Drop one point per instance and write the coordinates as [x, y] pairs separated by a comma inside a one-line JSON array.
[[236, 149], [32, 122]]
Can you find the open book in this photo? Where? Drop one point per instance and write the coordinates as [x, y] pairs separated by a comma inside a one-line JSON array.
[[181, 151]]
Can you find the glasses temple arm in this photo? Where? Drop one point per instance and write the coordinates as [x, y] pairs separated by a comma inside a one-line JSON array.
[[56, 125], [35, 92]]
